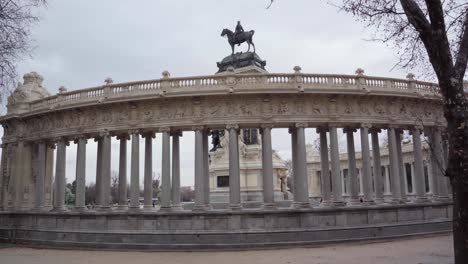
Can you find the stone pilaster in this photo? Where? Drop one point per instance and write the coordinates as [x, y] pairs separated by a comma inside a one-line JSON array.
[[148, 176], [354, 189], [166, 170], [401, 166], [293, 132], [135, 172], [80, 173], [366, 171], [440, 164], [419, 182], [267, 168], [324, 168], [377, 166], [335, 167], [234, 170]]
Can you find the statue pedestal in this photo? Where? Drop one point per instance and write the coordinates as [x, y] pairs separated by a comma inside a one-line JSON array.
[[247, 62]]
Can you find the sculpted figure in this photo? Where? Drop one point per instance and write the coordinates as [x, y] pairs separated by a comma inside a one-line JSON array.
[[239, 36]]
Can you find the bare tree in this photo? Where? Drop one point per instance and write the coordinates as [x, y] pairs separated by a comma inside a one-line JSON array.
[[432, 31], [16, 19]]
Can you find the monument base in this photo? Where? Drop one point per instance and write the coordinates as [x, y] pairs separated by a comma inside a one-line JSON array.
[[247, 61]]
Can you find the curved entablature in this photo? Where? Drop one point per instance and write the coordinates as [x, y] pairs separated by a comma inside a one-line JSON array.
[[214, 101]]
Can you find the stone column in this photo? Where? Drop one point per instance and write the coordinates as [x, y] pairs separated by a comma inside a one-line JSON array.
[[324, 168], [206, 170], [293, 132], [301, 197], [80, 173], [166, 170], [419, 182], [267, 168], [60, 170], [335, 167], [401, 167], [366, 170], [148, 177], [433, 163], [441, 165], [176, 171], [377, 166], [98, 171], [234, 170], [394, 168], [135, 172], [123, 200], [387, 180], [199, 170], [106, 172], [41, 171], [3, 174], [353, 186]]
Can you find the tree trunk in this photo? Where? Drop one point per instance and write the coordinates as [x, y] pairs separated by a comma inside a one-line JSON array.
[[455, 108]]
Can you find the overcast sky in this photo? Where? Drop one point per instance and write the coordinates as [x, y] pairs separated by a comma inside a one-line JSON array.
[[81, 43]]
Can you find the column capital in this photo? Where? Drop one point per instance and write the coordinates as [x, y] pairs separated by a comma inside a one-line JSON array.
[[134, 132], [232, 126], [78, 137], [270, 126], [301, 125], [176, 133], [334, 125], [123, 135], [322, 129], [393, 126], [148, 133], [375, 130], [197, 128], [418, 127], [349, 130], [164, 129], [366, 125], [56, 140]]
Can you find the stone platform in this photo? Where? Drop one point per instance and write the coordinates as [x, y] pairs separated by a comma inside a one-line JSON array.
[[221, 229]]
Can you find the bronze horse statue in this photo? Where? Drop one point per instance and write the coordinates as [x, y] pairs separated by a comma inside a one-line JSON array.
[[239, 38]]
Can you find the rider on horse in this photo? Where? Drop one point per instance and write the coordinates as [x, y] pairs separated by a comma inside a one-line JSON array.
[[239, 30]]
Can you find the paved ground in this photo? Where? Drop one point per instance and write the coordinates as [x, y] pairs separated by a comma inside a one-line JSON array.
[[431, 250]]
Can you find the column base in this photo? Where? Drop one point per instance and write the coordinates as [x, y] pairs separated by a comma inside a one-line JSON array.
[[368, 202], [80, 209], [208, 207], [442, 198], [177, 208], [301, 205], [422, 200], [122, 207], [338, 203], [379, 201], [326, 204], [198, 208], [269, 206], [395, 201], [148, 208], [59, 209], [133, 209], [235, 207], [354, 202], [165, 209]]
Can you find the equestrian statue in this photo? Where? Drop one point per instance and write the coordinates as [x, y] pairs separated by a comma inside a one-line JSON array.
[[239, 36]]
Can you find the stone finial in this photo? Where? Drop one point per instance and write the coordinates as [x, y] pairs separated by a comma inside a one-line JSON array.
[[62, 89], [359, 72], [166, 74], [30, 90], [410, 76], [297, 69], [109, 81]]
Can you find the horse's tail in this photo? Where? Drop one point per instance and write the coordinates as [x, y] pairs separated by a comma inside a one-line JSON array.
[[252, 32]]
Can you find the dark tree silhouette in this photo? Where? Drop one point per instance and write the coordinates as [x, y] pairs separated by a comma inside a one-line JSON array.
[[16, 19]]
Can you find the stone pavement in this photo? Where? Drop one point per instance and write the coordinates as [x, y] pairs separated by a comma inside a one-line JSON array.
[[428, 250]]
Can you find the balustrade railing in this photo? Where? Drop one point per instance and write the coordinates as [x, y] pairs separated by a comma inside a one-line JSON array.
[[308, 81]]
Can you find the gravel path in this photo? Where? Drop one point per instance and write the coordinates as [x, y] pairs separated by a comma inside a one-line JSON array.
[[429, 250]]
